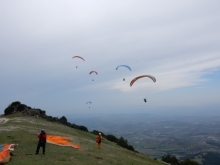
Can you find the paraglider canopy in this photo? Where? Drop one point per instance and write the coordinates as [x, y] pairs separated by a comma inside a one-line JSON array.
[[89, 102], [79, 57], [135, 79], [93, 72], [126, 66]]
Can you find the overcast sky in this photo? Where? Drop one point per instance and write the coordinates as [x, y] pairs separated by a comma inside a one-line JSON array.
[[177, 42]]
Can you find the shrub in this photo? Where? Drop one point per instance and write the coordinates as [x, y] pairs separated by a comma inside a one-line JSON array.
[[172, 160], [96, 132], [21, 107], [63, 119], [111, 138], [15, 103], [188, 162], [122, 142], [9, 110], [83, 128]]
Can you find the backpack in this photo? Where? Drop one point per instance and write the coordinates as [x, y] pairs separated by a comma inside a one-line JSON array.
[[98, 139], [42, 138]]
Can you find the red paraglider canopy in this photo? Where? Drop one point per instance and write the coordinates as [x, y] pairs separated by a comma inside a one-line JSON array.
[[149, 76], [78, 57], [93, 72]]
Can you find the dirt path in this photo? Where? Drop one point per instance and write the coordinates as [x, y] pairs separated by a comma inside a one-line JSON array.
[[3, 120]]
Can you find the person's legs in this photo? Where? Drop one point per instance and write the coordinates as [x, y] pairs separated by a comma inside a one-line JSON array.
[[38, 148], [99, 145], [44, 145]]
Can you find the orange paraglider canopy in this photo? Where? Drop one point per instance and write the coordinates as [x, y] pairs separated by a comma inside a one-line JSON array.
[[5, 152], [61, 140]]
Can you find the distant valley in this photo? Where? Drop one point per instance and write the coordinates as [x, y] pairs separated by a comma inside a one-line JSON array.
[[156, 135]]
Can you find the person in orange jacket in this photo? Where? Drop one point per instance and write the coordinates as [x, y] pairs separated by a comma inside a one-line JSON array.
[[42, 136], [99, 140]]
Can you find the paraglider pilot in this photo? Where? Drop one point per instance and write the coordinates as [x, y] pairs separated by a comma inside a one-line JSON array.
[[145, 100], [99, 140], [123, 79], [42, 136]]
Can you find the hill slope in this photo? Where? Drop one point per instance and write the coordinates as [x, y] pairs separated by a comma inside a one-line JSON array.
[[23, 130]]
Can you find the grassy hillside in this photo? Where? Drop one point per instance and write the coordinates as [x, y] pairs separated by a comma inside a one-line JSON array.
[[23, 130]]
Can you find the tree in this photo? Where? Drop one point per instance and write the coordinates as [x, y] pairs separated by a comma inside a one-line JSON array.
[[130, 148], [96, 132], [63, 119], [122, 142], [112, 138], [172, 160], [83, 128], [189, 162]]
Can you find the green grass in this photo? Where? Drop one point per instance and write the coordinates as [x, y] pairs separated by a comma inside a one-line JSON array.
[[23, 130]]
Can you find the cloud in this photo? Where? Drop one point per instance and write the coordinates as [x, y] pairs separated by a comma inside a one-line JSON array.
[[176, 73]]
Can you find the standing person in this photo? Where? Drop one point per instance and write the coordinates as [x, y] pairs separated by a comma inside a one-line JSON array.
[[42, 141], [99, 140]]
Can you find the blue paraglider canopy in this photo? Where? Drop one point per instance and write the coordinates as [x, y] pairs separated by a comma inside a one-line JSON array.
[[126, 66]]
